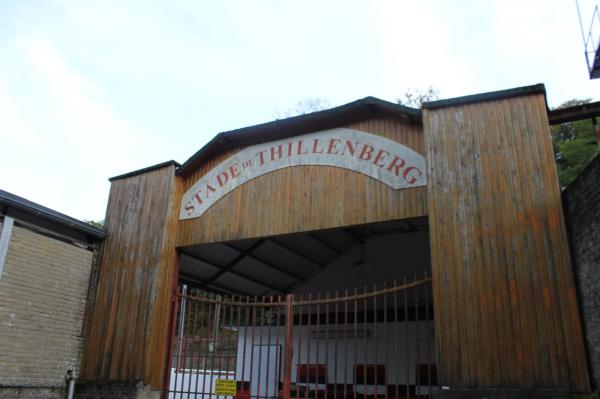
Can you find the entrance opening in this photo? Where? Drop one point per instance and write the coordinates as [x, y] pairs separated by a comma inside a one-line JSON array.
[[333, 314]]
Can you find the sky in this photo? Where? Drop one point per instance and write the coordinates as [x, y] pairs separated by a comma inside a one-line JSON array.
[[93, 89]]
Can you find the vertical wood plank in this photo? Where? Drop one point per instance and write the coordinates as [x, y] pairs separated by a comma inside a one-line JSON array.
[[125, 340], [506, 314], [316, 197]]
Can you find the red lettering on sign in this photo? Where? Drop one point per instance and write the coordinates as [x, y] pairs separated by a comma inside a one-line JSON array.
[[209, 189], [396, 164], [189, 207], [289, 148], [197, 196], [332, 149], [300, 148], [233, 170], [379, 157], [366, 152], [279, 152], [261, 157], [349, 147], [222, 178], [246, 164], [315, 146], [411, 179]]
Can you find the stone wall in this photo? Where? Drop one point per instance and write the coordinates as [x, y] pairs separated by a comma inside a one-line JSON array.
[[582, 209], [115, 390], [43, 291]]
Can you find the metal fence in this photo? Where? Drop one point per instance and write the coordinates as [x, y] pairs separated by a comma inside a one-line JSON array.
[[360, 344]]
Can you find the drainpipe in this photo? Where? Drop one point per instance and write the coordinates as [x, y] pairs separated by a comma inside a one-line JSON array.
[[70, 384]]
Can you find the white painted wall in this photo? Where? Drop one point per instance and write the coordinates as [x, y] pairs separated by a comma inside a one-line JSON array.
[[397, 338], [196, 381]]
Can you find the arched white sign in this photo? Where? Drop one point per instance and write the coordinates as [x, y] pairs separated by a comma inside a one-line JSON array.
[[385, 160]]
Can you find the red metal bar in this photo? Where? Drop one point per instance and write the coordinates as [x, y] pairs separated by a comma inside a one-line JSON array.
[[335, 349], [269, 347], [208, 337], [193, 354], [217, 352], [172, 335], [289, 342], [429, 340], [299, 357], [375, 341], [260, 334], [365, 316], [346, 345], [179, 335], [397, 341], [279, 307], [355, 363], [228, 353], [253, 319], [240, 383], [247, 316], [418, 333], [385, 351], [365, 295], [200, 360], [406, 340], [308, 339], [186, 333], [218, 340], [172, 330], [327, 346], [317, 343], [213, 338]]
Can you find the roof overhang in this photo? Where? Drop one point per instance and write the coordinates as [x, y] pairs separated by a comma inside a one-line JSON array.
[[9, 202], [366, 108]]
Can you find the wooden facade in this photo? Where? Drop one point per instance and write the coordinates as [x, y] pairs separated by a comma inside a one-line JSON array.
[[308, 197], [506, 308], [126, 338], [505, 305]]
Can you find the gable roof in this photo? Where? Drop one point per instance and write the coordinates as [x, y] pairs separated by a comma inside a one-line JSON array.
[[366, 108]]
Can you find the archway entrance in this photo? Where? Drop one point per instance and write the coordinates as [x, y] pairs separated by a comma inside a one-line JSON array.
[[342, 313]]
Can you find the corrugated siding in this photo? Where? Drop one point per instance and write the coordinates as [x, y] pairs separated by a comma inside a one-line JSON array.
[[506, 309], [128, 327], [307, 197]]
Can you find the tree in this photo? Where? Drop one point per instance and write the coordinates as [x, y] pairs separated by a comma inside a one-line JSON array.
[[416, 97], [574, 145], [305, 106], [96, 223]]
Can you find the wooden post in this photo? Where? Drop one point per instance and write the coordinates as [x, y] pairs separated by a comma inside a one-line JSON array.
[[289, 335]]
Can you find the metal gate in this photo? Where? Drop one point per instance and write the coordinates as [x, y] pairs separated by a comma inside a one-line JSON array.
[[359, 344]]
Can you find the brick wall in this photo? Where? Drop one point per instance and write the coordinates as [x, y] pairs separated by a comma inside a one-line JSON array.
[[582, 210], [42, 299]]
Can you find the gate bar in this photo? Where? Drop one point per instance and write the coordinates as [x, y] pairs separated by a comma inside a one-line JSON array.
[[364, 295], [289, 336]]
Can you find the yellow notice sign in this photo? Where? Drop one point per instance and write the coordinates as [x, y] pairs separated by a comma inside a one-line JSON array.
[[225, 387]]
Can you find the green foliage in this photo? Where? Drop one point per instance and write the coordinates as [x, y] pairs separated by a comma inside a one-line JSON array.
[[96, 223], [574, 145]]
